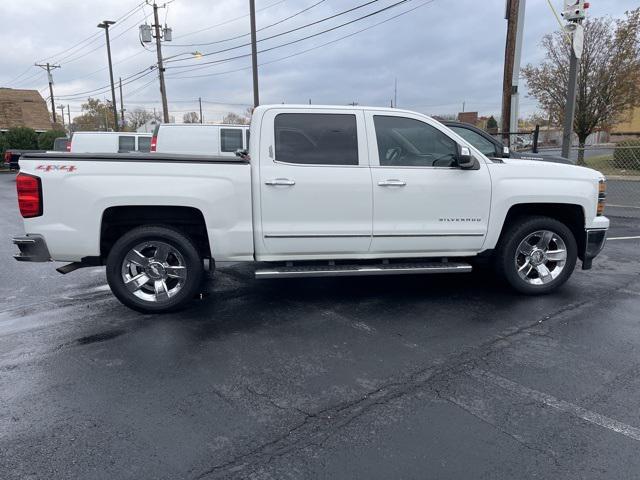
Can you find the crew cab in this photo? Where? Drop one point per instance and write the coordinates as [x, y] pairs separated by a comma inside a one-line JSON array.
[[325, 191]]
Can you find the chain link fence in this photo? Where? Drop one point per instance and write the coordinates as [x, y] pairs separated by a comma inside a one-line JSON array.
[[620, 163]]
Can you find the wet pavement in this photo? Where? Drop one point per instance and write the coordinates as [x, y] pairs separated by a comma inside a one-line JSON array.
[[387, 377]]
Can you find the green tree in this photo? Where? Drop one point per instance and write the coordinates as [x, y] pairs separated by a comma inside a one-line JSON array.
[[45, 140], [492, 125], [22, 138], [96, 115], [608, 78]]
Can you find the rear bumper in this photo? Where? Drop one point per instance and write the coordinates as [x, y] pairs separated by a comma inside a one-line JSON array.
[[33, 248], [593, 245]]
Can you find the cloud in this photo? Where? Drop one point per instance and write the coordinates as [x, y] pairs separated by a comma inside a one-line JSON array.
[[442, 54]]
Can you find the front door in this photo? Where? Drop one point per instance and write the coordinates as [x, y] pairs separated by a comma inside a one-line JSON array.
[[315, 184], [423, 203]]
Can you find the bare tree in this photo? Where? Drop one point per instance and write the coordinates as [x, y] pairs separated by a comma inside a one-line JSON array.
[[138, 117], [191, 117], [235, 119], [609, 74]]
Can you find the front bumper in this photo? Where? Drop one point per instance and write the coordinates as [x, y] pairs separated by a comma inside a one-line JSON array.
[[593, 245], [33, 248]]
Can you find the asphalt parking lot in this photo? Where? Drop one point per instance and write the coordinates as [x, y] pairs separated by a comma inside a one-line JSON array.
[[377, 378]]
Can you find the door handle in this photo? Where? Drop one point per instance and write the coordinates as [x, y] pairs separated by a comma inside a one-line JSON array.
[[279, 181], [392, 183]]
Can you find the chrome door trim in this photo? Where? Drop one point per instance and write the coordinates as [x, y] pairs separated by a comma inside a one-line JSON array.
[[316, 235], [428, 234]]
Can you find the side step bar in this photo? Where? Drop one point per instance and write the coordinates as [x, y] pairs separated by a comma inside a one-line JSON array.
[[357, 270]]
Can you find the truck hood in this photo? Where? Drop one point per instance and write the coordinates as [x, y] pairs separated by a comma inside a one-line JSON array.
[[549, 169], [540, 157]]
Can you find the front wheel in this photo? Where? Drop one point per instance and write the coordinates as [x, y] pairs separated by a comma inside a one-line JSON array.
[[537, 254], [154, 269]]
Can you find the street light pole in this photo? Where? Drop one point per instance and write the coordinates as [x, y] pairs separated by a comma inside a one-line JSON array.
[[254, 53], [105, 25]]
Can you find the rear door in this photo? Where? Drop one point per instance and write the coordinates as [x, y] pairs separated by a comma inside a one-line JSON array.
[[423, 203], [315, 184]]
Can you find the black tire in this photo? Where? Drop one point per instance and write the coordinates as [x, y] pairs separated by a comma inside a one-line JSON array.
[[517, 232], [186, 250]]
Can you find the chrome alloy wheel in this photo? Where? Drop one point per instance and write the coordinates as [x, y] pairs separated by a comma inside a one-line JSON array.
[[540, 257], [154, 271]]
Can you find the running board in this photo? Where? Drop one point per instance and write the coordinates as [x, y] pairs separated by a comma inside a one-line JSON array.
[[357, 270]]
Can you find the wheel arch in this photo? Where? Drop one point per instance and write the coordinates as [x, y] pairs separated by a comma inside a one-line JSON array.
[[572, 215], [118, 220]]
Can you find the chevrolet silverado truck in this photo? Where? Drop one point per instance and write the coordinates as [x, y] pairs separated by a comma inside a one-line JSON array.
[[322, 191]]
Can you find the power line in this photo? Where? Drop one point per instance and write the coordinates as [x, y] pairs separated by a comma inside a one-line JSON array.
[[306, 26], [227, 21], [427, 2], [294, 41], [300, 12]]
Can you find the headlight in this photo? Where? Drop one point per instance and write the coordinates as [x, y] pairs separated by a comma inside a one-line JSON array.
[[602, 195]]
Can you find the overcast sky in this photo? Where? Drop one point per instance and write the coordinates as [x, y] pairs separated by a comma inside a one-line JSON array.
[[443, 52]]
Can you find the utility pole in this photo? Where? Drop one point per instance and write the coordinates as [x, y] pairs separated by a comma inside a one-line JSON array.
[[163, 88], [105, 25], [48, 67], [61, 107], [69, 117], [121, 104], [254, 53], [511, 16], [574, 12], [200, 102]]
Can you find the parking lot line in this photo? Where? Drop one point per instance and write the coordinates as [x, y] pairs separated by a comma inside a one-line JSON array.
[[563, 406], [624, 238]]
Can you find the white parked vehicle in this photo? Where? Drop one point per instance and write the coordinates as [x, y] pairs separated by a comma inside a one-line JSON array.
[[327, 191], [200, 139], [110, 142]]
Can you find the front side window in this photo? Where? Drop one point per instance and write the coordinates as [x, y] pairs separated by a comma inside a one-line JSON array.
[[316, 138], [485, 146], [405, 142], [126, 144], [230, 139], [144, 144]]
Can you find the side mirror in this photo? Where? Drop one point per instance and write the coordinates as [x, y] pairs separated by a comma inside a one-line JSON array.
[[465, 160], [506, 153]]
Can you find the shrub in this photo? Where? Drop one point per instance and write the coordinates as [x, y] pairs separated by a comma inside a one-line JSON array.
[[45, 140], [627, 155], [3, 146], [22, 138]]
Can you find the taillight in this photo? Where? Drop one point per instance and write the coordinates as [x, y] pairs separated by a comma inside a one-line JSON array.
[[68, 145], [602, 197], [154, 143], [7, 157], [29, 195]]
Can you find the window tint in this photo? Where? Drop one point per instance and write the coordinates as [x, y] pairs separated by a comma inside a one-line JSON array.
[[144, 144], [316, 138], [408, 142], [477, 140], [230, 139], [126, 144]]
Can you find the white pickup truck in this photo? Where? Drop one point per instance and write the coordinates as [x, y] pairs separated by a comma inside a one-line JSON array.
[[323, 191]]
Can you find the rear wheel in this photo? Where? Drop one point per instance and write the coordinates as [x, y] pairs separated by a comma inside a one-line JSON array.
[[537, 255], [154, 269]]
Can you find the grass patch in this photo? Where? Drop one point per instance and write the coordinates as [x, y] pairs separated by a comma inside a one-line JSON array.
[[604, 164]]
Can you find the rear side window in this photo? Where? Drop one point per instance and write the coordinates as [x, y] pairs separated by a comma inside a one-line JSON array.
[[230, 139], [316, 138], [248, 136], [144, 144], [126, 144]]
